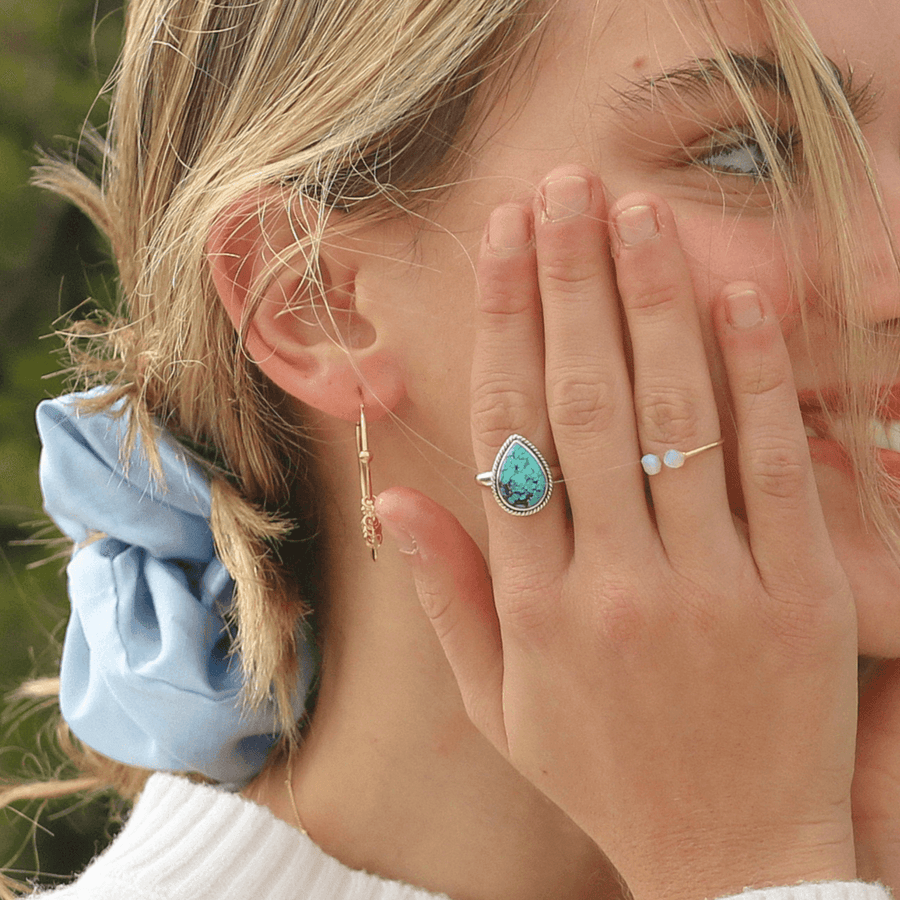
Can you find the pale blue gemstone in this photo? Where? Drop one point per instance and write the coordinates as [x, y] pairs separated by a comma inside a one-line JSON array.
[[651, 464], [522, 481], [674, 459]]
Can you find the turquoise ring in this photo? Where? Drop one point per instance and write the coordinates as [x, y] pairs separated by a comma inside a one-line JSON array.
[[521, 479]]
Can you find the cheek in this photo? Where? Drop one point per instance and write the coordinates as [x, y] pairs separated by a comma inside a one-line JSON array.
[[721, 250]]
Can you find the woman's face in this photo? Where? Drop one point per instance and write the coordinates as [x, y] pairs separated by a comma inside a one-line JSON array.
[[587, 98]]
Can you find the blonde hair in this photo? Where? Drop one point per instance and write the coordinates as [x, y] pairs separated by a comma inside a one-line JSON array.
[[348, 103], [362, 106], [836, 176]]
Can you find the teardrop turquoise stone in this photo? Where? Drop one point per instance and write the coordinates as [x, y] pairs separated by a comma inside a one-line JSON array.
[[523, 483]]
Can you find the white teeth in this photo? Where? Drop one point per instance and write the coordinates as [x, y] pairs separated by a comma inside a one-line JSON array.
[[883, 434], [878, 431]]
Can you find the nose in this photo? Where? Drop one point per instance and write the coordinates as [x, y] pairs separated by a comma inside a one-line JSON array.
[[879, 239]]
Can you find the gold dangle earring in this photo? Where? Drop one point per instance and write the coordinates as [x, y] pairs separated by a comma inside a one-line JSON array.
[[371, 527]]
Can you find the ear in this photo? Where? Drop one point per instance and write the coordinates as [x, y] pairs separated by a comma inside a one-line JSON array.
[[298, 314]]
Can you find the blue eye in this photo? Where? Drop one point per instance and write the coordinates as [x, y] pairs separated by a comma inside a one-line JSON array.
[[740, 153], [745, 158]]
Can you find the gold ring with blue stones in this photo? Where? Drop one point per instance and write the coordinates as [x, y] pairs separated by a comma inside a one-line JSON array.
[[672, 459], [521, 479]]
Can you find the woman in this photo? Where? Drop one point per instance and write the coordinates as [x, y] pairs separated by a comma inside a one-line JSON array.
[[653, 679]]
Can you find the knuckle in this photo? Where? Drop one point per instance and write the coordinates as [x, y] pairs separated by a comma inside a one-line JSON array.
[[779, 470], [581, 402], [505, 285], [670, 417], [762, 380], [527, 604], [534, 624], [805, 619], [499, 407], [699, 602], [620, 620], [567, 272], [503, 299], [440, 610], [653, 299]]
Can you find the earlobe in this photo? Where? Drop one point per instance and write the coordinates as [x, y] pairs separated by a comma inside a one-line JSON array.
[[296, 313]]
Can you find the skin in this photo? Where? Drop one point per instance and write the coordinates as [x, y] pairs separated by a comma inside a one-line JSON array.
[[725, 628]]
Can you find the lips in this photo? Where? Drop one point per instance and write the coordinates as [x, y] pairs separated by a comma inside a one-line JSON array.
[[828, 426]]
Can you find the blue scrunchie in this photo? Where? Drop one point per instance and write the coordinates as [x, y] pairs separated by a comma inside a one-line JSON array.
[[146, 676]]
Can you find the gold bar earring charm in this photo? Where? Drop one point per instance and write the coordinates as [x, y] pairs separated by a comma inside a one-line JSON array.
[[371, 527]]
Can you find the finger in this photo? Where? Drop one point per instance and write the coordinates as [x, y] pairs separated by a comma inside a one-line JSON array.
[[588, 387], [674, 401], [454, 589], [508, 398], [787, 531]]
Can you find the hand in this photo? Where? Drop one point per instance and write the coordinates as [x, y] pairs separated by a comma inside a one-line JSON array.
[[682, 685], [876, 783]]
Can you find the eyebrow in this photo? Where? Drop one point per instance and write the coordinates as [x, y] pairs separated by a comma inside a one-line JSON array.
[[701, 79]]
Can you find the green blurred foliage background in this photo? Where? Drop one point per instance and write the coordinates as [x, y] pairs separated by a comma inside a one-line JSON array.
[[54, 60]]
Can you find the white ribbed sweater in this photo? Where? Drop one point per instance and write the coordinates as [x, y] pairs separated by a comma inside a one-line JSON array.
[[185, 841]]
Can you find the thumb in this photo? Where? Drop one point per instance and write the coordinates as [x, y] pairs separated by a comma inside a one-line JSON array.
[[454, 588]]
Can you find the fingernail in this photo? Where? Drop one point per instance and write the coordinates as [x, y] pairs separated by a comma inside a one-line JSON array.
[[565, 197], [636, 225], [403, 540], [744, 309], [509, 230]]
